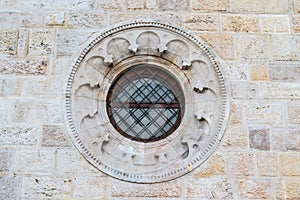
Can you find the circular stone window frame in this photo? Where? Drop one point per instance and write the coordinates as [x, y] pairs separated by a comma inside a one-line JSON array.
[[179, 153]]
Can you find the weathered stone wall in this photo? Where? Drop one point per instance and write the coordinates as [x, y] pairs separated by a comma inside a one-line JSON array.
[[258, 41]]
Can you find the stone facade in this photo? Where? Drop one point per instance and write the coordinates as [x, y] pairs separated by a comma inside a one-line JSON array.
[[257, 43]]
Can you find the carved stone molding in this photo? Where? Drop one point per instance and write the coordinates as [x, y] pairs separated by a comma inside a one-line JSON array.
[[179, 54]]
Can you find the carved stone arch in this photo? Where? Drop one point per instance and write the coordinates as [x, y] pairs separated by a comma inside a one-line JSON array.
[[146, 102]]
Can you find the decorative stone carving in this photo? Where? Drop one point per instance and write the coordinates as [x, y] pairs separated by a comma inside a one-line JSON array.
[[178, 53]]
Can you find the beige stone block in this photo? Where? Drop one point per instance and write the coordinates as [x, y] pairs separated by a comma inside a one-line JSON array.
[[46, 187], [116, 17], [237, 72], [19, 135], [66, 161], [277, 90], [279, 189], [236, 115], [54, 135], [40, 42], [259, 72], [209, 5], [202, 22], [241, 164], [112, 4], [48, 111], [57, 5], [222, 44], [90, 186], [23, 110], [243, 90], [55, 19], [23, 42], [168, 17], [274, 24], [267, 163], [173, 5], [285, 138], [254, 189], [240, 23], [297, 6], [292, 189], [278, 6], [33, 19], [9, 187], [254, 48], [215, 165], [10, 19], [285, 48], [295, 24], [9, 40], [6, 158], [235, 139], [34, 161], [86, 20], [209, 188], [158, 190], [136, 5], [289, 164], [151, 4], [246, 6], [10, 86], [284, 72], [263, 113], [294, 112]]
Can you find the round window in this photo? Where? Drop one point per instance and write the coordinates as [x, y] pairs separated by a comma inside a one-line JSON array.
[[145, 103]]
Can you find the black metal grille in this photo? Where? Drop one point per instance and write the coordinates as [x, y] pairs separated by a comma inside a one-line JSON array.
[[145, 103]]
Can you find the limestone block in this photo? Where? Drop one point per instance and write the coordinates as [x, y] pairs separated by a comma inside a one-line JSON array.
[[55, 19], [274, 24], [263, 113], [285, 48], [292, 189], [284, 72], [221, 44], [56, 5], [259, 138], [30, 66], [40, 42], [46, 187], [289, 164], [280, 189], [267, 163], [259, 72], [23, 110], [66, 161], [294, 112], [61, 65], [23, 42], [174, 5], [209, 188], [172, 18], [202, 22], [235, 139], [9, 40], [209, 5], [68, 41], [34, 161], [90, 186], [9, 187], [112, 4], [237, 72], [296, 6], [135, 5], [279, 90], [254, 189], [151, 4], [33, 19], [3, 110], [19, 135], [243, 90], [86, 20], [253, 48], [246, 6], [54, 135], [116, 17], [241, 164], [240, 23], [285, 138], [236, 115], [6, 160], [10, 86], [278, 6], [8, 4], [157, 190], [48, 112], [215, 165], [84, 167], [10, 19]]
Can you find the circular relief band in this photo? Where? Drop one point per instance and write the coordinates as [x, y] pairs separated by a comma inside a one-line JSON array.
[[146, 102]]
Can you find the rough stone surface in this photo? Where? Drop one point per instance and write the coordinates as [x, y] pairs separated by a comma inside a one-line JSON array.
[[209, 5], [215, 165], [284, 73], [67, 161], [240, 23], [174, 5], [8, 38], [223, 45], [90, 186], [294, 112], [259, 72], [267, 164], [274, 24], [6, 160], [9, 187], [241, 164], [289, 164], [54, 135], [19, 135], [41, 42], [202, 22], [259, 138], [254, 189], [285, 48], [34, 66], [285, 139]]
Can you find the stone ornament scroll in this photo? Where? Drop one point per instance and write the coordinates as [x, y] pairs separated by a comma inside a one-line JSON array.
[[180, 54]]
